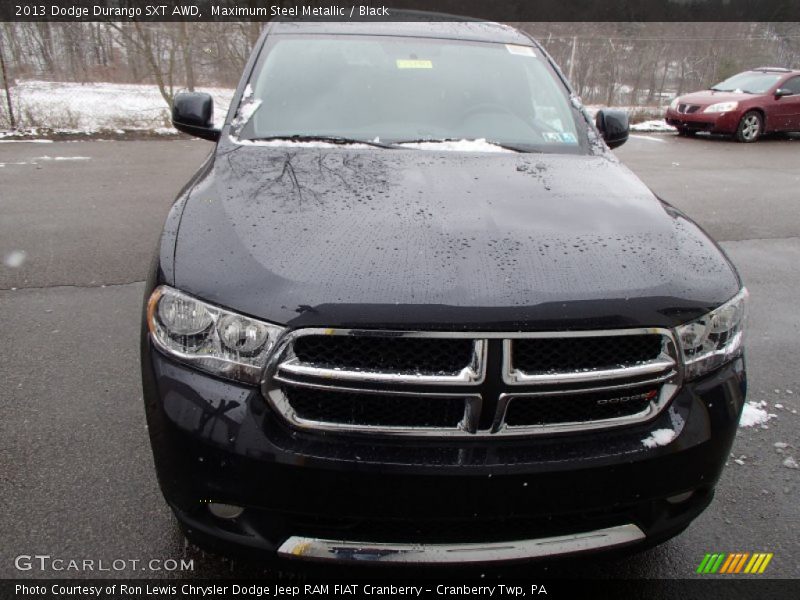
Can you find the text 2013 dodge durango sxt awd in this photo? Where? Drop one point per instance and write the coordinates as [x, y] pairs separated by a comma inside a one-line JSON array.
[[412, 309]]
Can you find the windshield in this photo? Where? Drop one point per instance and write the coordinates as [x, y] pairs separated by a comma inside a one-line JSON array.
[[401, 89], [751, 83]]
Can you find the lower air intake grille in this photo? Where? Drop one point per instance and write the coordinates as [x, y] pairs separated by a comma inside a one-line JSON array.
[[550, 355], [377, 410], [571, 408], [405, 355]]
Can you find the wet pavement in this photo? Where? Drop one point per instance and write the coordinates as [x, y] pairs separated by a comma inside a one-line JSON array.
[[78, 230]]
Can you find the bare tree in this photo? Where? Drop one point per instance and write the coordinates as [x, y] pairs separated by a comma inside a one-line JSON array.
[[7, 87], [628, 64], [187, 54], [158, 52]]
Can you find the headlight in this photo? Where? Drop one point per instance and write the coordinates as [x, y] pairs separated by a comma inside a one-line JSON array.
[[209, 337], [715, 338], [674, 104], [721, 107]]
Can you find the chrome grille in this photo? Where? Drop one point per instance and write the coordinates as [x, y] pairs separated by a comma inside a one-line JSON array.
[[553, 355], [435, 383], [578, 407], [375, 410], [399, 354]]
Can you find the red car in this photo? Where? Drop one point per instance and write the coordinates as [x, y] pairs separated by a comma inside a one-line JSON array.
[[748, 105]]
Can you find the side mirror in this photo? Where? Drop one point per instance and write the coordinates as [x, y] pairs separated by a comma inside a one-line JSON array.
[[781, 92], [193, 113], [613, 126]]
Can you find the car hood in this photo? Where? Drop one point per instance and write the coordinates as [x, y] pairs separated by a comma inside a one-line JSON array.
[[709, 97], [351, 237]]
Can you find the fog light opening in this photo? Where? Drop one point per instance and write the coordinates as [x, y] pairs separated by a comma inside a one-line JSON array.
[[225, 511], [679, 498]]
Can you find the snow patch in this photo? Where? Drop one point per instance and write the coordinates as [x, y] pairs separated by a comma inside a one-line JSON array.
[[649, 138], [4, 141], [478, 145], [790, 463], [15, 259], [754, 414], [63, 158], [90, 107], [653, 125], [245, 113], [287, 143], [659, 437]]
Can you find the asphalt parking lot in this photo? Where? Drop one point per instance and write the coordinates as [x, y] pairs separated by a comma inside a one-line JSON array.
[[78, 226]]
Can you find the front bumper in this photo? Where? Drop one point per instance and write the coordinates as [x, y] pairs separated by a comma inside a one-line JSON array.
[[700, 121], [217, 441], [458, 553]]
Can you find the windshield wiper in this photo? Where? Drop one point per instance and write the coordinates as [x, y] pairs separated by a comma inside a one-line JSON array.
[[331, 139], [451, 140]]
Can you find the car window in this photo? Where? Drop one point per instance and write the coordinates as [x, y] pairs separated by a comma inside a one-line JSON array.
[[402, 89], [750, 82], [793, 85]]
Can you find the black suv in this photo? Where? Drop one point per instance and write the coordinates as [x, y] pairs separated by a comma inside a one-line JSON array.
[[411, 309]]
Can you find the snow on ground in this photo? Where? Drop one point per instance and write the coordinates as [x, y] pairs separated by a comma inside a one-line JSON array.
[[659, 437], [649, 138], [76, 107], [35, 161], [638, 116], [63, 158], [68, 107], [754, 414], [6, 134], [653, 125], [15, 259], [781, 448]]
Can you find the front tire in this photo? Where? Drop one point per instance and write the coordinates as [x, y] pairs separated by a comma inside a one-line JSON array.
[[750, 127], [686, 132]]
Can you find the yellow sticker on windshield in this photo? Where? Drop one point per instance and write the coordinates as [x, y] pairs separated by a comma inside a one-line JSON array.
[[414, 64], [520, 50]]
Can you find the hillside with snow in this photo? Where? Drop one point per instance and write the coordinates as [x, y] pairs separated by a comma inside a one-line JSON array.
[[65, 108], [71, 108]]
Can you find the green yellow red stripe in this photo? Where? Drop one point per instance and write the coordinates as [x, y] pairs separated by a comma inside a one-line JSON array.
[[740, 563], [734, 562]]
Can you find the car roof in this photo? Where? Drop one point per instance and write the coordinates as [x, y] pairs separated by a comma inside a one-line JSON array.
[[419, 24]]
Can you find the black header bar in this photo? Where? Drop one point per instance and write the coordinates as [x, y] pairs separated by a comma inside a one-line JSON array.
[[394, 10], [425, 588]]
